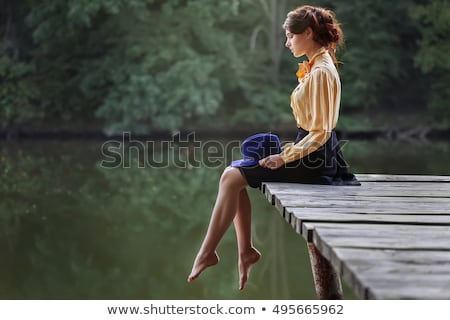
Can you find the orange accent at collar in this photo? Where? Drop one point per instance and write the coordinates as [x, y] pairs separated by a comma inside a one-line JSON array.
[[305, 67]]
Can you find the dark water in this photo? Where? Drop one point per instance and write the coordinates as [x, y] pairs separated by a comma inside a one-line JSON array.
[[72, 229]]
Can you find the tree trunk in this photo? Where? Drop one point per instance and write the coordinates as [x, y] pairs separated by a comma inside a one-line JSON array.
[[276, 36]]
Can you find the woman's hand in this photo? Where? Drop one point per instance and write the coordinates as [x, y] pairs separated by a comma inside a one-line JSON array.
[[272, 162]]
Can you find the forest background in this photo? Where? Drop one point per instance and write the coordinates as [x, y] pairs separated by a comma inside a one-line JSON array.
[[146, 65]]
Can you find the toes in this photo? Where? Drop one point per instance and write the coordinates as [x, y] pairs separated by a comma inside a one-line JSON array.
[[242, 282], [246, 263], [201, 264]]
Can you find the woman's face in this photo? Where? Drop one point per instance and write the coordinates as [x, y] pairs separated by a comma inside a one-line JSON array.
[[297, 43]]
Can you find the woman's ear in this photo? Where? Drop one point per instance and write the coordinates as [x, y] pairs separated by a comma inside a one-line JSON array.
[[308, 33]]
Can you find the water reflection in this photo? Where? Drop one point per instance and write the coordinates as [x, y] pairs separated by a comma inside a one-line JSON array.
[[70, 229]]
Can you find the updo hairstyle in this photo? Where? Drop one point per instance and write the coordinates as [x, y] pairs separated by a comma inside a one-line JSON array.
[[326, 29]]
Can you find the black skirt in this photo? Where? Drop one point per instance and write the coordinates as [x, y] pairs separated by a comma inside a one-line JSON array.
[[326, 165]]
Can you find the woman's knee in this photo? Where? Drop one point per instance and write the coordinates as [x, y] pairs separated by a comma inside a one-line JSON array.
[[233, 177]]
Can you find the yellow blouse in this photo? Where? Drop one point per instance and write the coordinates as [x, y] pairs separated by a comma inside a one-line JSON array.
[[315, 104]]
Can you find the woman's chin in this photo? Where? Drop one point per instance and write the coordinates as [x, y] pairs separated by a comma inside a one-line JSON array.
[[298, 55]]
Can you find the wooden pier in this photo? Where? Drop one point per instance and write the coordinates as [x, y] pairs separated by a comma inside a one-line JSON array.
[[387, 239]]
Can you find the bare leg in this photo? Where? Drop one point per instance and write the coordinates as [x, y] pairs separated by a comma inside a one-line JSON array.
[[248, 255], [231, 183]]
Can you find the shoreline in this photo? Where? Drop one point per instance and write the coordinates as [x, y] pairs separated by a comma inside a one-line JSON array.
[[64, 134]]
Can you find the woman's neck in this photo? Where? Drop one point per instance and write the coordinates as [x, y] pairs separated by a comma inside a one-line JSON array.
[[313, 50]]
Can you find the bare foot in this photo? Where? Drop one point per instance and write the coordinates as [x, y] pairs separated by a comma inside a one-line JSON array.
[[246, 262], [201, 263]]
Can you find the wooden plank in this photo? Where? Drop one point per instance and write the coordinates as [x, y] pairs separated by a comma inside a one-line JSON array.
[[410, 288], [389, 177], [347, 198], [364, 184], [407, 284], [388, 238], [392, 274], [400, 285], [367, 237], [365, 211], [298, 216], [368, 193], [281, 187], [405, 205], [401, 256], [326, 199], [328, 237], [383, 190], [382, 236], [363, 269], [402, 190]]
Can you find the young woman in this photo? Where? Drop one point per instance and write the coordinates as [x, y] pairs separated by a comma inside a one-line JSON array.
[[314, 157]]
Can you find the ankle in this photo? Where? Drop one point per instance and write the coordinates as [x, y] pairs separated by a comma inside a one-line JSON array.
[[249, 251]]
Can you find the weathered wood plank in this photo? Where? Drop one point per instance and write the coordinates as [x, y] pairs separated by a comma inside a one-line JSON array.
[[402, 256], [382, 236], [371, 189], [297, 216], [389, 177], [353, 274], [296, 195], [400, 285], [369, 238], [366, 211], [388, 238], [402, 191], [363, 269], [344, 200], [280, 187], [406, 205], [382, 283]]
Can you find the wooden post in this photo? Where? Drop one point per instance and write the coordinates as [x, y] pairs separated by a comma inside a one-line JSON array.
[[326, 280]]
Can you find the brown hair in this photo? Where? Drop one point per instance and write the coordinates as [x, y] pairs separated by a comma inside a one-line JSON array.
[[326, 29]]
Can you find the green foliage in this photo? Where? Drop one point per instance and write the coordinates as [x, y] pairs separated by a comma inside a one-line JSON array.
[[144, 65], [377, 56], [432, 56], [157, 86], [69, 37], [143, 68], [18, 93], [434, 21]]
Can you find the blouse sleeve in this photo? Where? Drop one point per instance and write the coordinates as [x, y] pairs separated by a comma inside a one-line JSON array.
[[322, 95]]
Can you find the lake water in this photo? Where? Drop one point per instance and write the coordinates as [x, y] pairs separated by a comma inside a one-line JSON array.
[[73, 229]]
